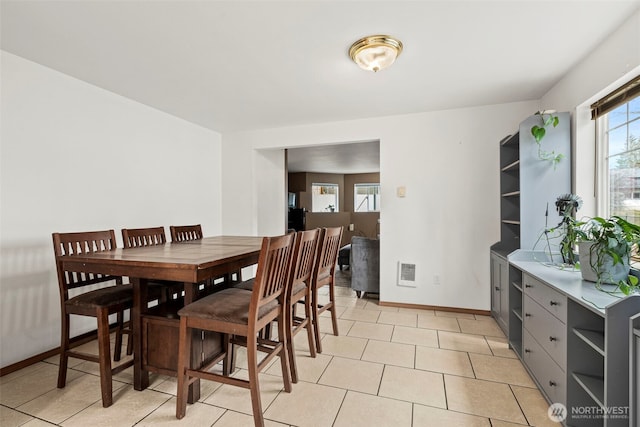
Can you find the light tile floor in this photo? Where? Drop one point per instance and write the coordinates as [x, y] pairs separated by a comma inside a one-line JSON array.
[[388, 367]]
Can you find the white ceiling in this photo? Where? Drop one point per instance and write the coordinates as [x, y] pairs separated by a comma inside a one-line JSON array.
[[363, 157], [240, 65]]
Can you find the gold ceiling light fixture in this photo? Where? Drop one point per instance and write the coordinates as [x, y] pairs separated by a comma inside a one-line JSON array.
[[374, 53]]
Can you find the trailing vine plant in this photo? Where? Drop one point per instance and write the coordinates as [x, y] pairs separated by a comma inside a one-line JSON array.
[[547, 118]]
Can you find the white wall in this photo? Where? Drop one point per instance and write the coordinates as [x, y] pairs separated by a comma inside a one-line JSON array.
[[614, 62], [75, 157], [448, 162]]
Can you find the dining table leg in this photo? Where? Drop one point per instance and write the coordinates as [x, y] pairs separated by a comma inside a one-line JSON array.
[[140, 375], [190, 290]]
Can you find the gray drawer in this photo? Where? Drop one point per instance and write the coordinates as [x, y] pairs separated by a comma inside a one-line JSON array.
[[549, 375], [552, 300], [550, 332]]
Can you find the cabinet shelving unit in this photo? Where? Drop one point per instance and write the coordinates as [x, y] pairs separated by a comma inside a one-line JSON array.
[[595, 371], [634, 365], [527, 186], [515, 302]]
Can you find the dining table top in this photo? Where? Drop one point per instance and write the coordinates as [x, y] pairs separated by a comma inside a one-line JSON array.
[[188, 261]]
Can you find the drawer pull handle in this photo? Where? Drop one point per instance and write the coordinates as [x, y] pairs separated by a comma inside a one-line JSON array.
[[528, 286], [497, 288], [526, 350], [553, 339], [554, 303], [527, 315], [552, 383]]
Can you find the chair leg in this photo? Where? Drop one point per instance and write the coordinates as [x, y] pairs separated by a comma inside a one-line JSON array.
[[229, 361], [254, 384], [291, 352], [130, 340], [309, 326], [284, 358], [332, 308], [104, 357], [184, 349], [117, 351], [316, 320], [64, 347]]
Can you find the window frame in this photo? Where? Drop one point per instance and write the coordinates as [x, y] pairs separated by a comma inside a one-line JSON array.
[[355, 196]]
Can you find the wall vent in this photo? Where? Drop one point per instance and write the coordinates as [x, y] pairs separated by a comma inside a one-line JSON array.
[[406, 274]]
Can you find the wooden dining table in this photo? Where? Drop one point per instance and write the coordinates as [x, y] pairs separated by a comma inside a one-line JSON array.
[[190, 262]]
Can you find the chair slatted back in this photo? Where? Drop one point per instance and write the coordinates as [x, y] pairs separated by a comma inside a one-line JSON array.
[[138, 237], [273, 271], [185, 233], [304, 257], [68, 244], [328, 252]]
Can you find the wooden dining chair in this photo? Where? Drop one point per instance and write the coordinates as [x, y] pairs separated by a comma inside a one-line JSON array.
[[98, 303], [162, 290], [189, 233], [185, 233], [137, 237], [299, 292], [324, 275], [239, 315]]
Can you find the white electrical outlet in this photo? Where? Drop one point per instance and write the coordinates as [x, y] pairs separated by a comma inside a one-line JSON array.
[[352, 227]]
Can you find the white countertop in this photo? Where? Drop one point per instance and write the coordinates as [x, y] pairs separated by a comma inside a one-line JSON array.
[[565, 279]]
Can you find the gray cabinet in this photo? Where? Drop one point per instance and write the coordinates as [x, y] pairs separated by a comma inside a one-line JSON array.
[[529, 188], [579, 344], [634, 363], [500, 291]]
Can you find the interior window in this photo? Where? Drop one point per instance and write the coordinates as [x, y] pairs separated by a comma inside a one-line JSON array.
[[366, 197], [324, 197], [619, 161]]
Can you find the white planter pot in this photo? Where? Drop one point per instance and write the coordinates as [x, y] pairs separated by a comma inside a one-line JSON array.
[[610, 273]]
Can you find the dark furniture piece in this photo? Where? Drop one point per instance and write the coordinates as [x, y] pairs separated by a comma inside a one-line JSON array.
[[299, 292], [365, 265], [189, 262], [296, 219], [239, 315], [152, 236], [98, 303], [137, 237], [324, 275], [188, 233], [344, 256], [185, 233]]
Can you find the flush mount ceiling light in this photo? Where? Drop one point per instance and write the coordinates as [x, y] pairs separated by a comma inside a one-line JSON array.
[[374, 53]]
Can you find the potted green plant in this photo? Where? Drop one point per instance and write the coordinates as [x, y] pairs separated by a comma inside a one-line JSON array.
[[567, 205], [547, 118], [604, 247]]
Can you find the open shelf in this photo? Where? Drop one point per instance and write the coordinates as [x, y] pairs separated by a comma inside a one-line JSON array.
[[594, 386], [511, 166], [517, 285], [636, 332], [511, 194], [594, 339], [516, 345], [511, 221], [518, 312]]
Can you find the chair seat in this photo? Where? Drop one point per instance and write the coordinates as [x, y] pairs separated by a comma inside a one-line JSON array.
[[104, 297], [229, 305], [247, 285]]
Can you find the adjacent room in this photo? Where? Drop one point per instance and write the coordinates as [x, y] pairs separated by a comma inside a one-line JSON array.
[[319, 213]]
